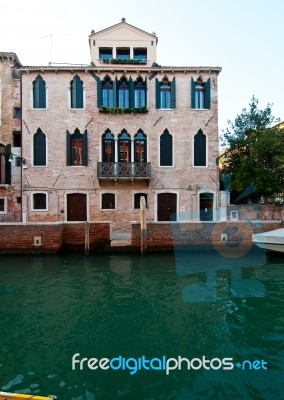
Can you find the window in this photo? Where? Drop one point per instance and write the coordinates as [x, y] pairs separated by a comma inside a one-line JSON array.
[[105, 53], [123, 93], [3, 205], [200, 94], [39, 202], [5, 165], [124, 147], [200, 149], [39, 142], [137, 197], [108, 93], [123, 53], [140, 147], [165, 93], [77, 148], [16, 139], [108, 147], [108, 201], [139, 93], [76, 91], [39, 93], [139, 53], [166, 149], [17, 112]]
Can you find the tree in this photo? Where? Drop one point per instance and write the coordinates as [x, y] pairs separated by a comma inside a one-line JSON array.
[[255, 151]]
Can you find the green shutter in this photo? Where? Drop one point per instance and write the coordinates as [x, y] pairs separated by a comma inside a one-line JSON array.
[[85, 148], [42, 93], [39, 142], [158, 93], [146, 91], [99, 92], [7, 165], [78, 92], [200, 149], [68, 148], [131, 92], [192, 93], [207, 99], [166, 149], [173, 93], [115, 102]]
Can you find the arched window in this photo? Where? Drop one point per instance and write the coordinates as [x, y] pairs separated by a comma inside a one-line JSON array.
[[139, 93], [76, 90], [166, 149], [123, 93], [124, 147], [200, 149], [39, 93], [165, 94], [39, 144], [77, 148], [108, 94], [108, 147], [140, 147], [200, 94]]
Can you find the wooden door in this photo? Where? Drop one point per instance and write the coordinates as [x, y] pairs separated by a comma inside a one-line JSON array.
[[76, 207], [167, 207]]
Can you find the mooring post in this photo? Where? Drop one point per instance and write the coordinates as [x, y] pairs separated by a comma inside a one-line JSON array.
[[143, 225], [87, 238]]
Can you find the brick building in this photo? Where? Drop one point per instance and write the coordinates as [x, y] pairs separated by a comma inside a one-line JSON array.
[[10, 138], [98, 137]]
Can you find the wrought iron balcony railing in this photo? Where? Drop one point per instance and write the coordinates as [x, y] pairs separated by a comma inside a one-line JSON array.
[[124, 170]]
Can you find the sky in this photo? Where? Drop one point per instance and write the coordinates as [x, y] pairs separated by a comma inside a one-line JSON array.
[[244, 37]]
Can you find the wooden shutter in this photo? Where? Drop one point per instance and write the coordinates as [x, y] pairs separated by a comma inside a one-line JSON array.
[[99, 92], [7, 165], [207, 99], [78, 91], [68, 148], [173, 93], [42, 93], [85, 148], [158, 93], [192, 93], [200, 150], [131, 92]]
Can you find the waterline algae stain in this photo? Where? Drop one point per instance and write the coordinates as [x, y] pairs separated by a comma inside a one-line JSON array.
[[143, 314]]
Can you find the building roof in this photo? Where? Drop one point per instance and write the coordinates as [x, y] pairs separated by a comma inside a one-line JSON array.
[[123, 23], [4, 55]]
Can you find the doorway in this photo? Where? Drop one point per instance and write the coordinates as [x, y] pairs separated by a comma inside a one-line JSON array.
[[76, 207]]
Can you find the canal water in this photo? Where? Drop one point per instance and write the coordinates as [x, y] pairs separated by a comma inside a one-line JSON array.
[[224, 316]]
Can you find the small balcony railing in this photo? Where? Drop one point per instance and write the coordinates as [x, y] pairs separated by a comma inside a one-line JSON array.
[[124, 170]]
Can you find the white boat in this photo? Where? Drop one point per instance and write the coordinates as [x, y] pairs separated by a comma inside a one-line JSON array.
[[271, 240]]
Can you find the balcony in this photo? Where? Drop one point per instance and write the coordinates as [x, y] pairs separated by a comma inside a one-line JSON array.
[[123, 170]]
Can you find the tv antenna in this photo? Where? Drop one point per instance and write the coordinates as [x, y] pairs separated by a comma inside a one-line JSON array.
[[50, 36]]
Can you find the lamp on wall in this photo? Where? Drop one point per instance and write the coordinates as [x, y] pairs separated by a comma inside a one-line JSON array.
[[12, 155]]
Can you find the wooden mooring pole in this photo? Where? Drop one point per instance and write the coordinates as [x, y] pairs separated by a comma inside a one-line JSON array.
[[87, 238], [143, 225]]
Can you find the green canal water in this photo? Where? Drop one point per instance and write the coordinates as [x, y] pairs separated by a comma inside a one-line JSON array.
[[192, 304]]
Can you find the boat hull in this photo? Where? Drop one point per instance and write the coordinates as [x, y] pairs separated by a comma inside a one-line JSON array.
[[271, 241], [19, 396]]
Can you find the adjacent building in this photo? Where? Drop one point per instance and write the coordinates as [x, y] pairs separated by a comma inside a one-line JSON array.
[[10, 138], [98, 137]]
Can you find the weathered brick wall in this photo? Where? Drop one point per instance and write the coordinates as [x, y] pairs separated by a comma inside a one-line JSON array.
[[21, 237], [167, 235], [52, 236], [74, 235]]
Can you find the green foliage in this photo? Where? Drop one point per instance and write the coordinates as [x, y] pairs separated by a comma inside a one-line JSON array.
[[255, 151]]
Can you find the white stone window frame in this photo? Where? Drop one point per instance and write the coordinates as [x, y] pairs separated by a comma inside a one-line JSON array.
[[32, 201], [5, 211]]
